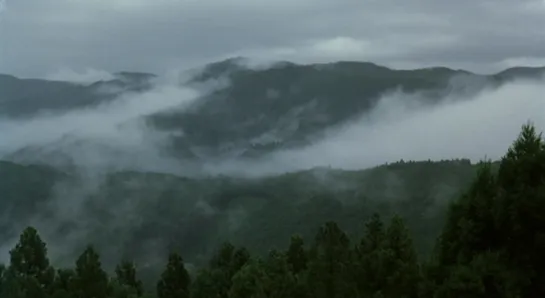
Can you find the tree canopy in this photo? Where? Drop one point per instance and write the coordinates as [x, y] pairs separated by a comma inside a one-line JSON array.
[[491, 245]]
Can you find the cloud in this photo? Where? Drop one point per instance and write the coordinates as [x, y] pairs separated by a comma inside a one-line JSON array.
[[94, 142], [349, 48], [523, 61], [141, 35], [483, 125], [87, 76], [113, 134]]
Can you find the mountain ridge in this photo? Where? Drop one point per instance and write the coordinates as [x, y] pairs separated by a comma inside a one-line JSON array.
[[260, 108], [241, 61]]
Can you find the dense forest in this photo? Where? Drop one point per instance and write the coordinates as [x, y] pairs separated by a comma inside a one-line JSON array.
[[491, 245]]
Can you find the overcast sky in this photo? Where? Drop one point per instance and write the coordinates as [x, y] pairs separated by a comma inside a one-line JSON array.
[[41, 37]]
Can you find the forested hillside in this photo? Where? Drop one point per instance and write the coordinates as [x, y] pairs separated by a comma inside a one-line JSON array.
[[243, 111], [489, 243], [194, 215]]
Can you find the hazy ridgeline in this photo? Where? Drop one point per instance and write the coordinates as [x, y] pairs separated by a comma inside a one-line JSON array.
[[489, 245], [141, 165]]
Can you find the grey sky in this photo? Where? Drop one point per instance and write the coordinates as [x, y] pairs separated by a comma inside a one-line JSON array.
[[41, 37]]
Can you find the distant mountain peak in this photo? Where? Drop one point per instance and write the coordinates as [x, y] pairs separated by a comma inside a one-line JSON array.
[[521, 72], [135, 75]]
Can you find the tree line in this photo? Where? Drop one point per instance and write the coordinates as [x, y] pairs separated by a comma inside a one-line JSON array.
[[492, 245]]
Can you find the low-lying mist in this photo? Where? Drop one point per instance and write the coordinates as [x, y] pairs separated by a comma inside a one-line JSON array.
[[481, 126], [110, 136], [115, 136]]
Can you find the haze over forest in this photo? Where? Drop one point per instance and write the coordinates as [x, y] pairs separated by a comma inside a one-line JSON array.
[[152, 133]]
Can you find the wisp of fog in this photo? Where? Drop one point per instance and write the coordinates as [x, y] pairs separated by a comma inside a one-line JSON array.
[[110, 135], [479, 127], [115, 136]]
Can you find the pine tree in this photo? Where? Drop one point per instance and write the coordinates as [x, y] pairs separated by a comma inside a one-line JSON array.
[[175, 280], [126, 276], [374, 234], [402, 277], [63, 286], [471, 225], [296, 255], [208, 283], [280, 281], [492, 242], [90, 281], [330, 267], [223, 257], [29, 268], [521, 179], [370, 268], [2, 276], [249, 282], [225, 263], [240, 257]]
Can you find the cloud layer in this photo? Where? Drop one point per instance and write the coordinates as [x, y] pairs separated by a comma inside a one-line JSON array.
[[38, 36], [482, 126], [87, 76], [115, 136], [112, 135]]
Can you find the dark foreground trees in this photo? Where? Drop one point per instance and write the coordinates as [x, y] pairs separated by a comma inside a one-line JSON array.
[[492, 245]]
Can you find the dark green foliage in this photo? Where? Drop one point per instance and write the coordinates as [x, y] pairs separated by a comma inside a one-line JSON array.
[[401, 265], [223, 266], [2, 276], [175, 280], [330, 263], [192, 215], [210, 283], [126, 276], [296, 255], [29, 273], [249, 282], [64, 285], [492, 242], [491, 245], [90, 281]]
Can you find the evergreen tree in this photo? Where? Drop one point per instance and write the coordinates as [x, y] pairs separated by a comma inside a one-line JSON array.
[[374, 234], [222, 259], [491, 243], [471, 225], [2, 276], [330, 267], [402, 270], [209, 283], [225, 263], [126, 276], [370, 269], [296, 255], [63, 285], [521, 179], [175, 280], [280, 280], [249, 282], [90, 280], [240, 257], [29, 268]]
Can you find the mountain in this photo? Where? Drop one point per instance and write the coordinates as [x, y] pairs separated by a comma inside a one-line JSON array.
[[143, 215], [27, 97], [287, 105], [254, 110], [248, 112]]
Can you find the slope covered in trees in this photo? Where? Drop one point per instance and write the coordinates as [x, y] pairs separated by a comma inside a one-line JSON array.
[[490, 246], [242, 111], [124, 214]]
